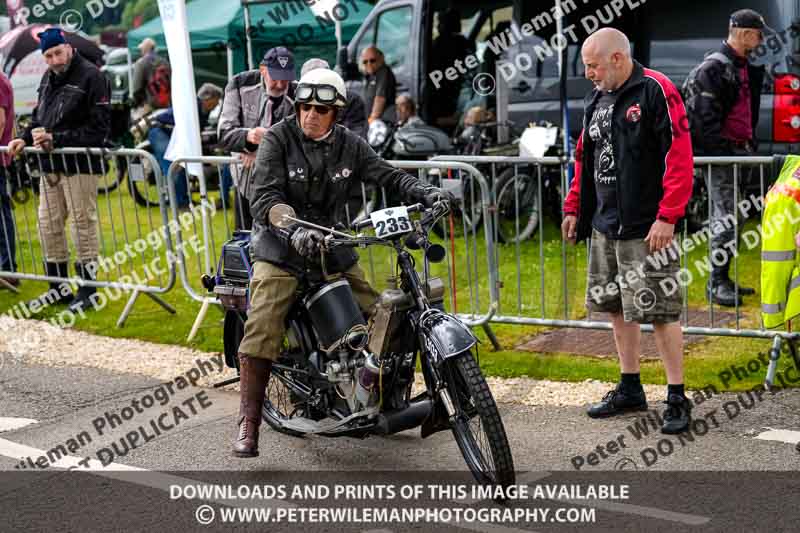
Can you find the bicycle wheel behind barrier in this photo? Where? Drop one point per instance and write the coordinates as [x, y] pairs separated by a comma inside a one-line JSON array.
[[467, 214]]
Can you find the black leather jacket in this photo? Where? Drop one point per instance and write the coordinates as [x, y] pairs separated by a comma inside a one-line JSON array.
[[76, 108], [316, 178], [717, 90]]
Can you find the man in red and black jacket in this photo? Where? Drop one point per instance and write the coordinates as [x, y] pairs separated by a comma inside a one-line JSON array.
[[633, 181]]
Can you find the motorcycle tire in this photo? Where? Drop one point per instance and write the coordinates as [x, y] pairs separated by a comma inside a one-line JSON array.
[[232, 335], [474, 402]]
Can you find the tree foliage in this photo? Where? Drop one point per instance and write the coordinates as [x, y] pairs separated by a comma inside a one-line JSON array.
[[147, 9]]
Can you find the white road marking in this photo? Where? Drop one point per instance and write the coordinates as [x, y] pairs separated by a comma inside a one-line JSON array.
[[780, 435], [8, 424], [158, 480]]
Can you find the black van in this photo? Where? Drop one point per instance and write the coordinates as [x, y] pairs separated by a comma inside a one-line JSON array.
[[669, 36]]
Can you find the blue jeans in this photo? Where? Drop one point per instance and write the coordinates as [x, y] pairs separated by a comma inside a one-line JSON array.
[[159, 140], [7, 230]]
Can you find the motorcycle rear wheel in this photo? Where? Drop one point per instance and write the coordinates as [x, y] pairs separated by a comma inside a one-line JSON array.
[[477, 426], [286, 398]]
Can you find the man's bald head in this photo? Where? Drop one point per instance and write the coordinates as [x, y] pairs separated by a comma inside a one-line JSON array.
[[609, 41], [607, 57]]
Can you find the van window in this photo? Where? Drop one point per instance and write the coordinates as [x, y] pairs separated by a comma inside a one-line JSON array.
[[541, 60], [502, 14], [393, 36]]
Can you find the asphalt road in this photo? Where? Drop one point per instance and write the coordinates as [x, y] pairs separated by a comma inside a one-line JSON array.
[[723, 478]]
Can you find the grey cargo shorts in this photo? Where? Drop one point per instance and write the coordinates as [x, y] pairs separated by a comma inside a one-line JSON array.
[[624, 276]]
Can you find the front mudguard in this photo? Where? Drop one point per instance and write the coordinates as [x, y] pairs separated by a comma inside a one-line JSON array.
[[444, 336]]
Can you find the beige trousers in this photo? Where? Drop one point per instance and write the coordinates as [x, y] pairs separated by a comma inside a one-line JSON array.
[[272, 293], [73, 197]]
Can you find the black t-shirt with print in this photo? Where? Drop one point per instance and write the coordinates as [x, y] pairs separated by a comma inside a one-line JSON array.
[[606, 218]]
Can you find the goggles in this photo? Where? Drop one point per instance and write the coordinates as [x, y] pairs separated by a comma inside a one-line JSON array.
[[323, 94]]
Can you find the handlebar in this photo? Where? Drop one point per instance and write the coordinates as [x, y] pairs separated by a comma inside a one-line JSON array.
[[367, 222]]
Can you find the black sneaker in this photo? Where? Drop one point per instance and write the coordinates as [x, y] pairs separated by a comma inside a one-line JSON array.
[[744, 291], [723, 294], [677, 415], [618, 401]]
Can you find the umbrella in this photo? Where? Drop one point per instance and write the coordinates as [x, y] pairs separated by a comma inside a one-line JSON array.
[[20, 42]]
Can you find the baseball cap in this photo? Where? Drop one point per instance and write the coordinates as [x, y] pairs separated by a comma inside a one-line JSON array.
[[280, 63], [749, 19]]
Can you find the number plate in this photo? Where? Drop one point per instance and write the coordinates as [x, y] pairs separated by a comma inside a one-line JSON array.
[[390, 222]]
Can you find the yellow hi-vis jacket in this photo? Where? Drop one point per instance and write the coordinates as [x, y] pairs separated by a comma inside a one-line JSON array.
[[780, 260]]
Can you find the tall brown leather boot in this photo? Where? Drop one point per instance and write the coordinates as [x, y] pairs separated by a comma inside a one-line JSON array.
[[253, 377]]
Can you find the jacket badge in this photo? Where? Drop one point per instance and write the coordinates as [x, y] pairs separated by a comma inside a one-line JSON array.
[[346, 172], [634, 113]]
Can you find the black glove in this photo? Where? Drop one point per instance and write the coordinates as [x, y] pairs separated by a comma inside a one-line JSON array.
[[306, 241], [439, 195]]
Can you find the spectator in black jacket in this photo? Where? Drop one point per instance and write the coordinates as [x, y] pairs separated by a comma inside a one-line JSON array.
[[723, 95], [73, 110]]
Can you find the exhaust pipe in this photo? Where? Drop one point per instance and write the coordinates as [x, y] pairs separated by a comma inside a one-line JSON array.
[[399, 420]]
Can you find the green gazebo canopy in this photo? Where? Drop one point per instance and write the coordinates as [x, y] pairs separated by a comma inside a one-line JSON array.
[[214, 24]]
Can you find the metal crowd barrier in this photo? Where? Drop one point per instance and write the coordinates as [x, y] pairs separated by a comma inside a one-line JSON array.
[[132, 232], [518, 187], [472, 284]]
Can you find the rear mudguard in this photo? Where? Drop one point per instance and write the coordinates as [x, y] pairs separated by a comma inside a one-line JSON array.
[[443, 335]]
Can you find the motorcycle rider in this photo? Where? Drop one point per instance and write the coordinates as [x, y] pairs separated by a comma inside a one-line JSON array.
[[312, 164]]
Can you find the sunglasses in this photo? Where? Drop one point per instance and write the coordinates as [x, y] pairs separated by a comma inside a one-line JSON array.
[[369, 61], [320, 109]]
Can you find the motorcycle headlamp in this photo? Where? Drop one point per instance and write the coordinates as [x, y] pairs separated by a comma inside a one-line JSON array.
[[322, 94]]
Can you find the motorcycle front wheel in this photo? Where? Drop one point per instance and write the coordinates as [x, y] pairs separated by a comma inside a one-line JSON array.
[[477, 426]]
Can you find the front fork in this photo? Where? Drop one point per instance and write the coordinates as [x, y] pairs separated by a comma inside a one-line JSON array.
[[436, 386]]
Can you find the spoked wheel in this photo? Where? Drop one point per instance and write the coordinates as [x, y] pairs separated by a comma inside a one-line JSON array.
[[144, 189], [115, 172], [468, 214], [517, 206], [478, 428], [286, 399]]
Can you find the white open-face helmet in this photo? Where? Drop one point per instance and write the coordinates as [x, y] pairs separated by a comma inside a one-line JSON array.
[[321, 86]]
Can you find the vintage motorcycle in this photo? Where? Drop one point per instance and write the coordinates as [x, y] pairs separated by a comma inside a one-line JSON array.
[[341, 375]]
